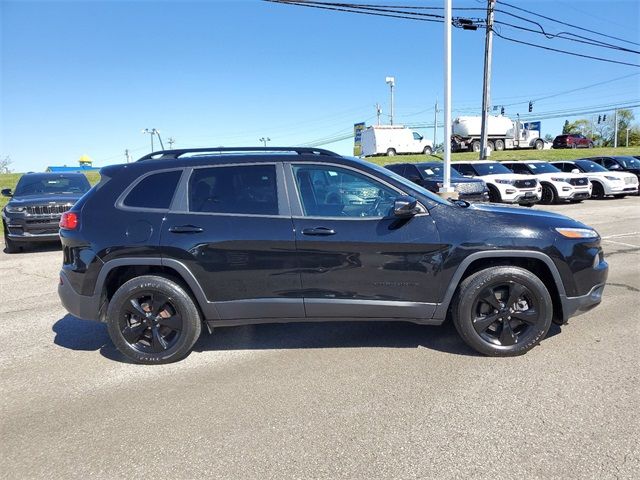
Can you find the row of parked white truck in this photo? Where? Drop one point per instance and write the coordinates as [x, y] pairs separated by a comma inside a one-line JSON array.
[[533, 181]]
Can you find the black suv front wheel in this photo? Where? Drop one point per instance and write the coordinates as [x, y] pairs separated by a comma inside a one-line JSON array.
[[502, 311], [152, 320]]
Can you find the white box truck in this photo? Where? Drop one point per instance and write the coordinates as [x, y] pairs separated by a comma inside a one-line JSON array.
[[502, 132], [393, 140]]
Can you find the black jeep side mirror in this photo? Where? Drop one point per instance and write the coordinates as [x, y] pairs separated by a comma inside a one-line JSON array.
[[6, 192], [405, 207]]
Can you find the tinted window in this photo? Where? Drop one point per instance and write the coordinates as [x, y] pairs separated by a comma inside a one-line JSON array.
[[249, 189], [491, 168], [465, 169], [436, 170], [518, 168], [51, 185], [154, 191], [399, 168], [542, 167], [589, 166], [336, 192], [412, 172], [608, 163], [629, 162]]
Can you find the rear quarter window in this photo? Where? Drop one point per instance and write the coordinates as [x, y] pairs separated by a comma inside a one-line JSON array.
[[154, 191]]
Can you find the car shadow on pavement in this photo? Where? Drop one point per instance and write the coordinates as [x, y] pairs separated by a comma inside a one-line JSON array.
[[76, 334], [38, 247]]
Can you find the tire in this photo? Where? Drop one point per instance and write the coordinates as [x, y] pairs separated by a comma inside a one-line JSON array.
[[597, 191], [10, 246], [499, 145], [491, 146], [494, 194], [475, 146], [575, 200], [427, 151], [501, 294], [590, 145], [549, 195], [152, 320], [574, 145], [391, 152], [539, 145]]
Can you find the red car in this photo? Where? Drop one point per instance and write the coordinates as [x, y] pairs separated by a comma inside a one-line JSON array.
[[572, 140]]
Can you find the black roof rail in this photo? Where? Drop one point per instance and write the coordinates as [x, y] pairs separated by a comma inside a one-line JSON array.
[[173, 154]]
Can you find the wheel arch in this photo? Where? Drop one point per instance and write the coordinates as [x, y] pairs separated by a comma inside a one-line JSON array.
[[537, 263], [116, 272]]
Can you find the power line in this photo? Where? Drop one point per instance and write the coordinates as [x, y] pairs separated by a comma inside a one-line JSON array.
[[601, 59], [566, 24]]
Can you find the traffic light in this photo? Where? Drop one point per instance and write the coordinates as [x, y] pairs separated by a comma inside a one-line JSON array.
[[599, 119], [530, 107], [502, 111], [604, 117]]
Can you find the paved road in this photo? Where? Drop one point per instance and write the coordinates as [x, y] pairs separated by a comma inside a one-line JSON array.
[[344, 400]]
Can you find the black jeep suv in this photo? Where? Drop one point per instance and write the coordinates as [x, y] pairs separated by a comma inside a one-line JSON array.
[[33, 213], [215, 237]]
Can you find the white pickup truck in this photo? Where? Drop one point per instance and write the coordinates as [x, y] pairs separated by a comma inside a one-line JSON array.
[[393, 140]]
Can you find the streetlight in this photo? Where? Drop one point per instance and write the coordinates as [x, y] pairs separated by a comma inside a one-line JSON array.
[[391, 81], [264, 140]]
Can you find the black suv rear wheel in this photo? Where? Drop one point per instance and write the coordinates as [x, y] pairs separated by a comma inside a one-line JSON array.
[[152, 320], [502, 311]]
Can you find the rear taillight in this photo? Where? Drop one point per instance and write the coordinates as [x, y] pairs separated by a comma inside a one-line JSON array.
[[69, 221]]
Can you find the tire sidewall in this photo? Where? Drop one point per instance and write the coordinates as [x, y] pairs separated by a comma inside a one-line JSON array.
[[182, 301], [475, 284]]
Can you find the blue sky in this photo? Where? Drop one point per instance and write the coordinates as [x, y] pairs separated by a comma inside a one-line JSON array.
[[85, 77]]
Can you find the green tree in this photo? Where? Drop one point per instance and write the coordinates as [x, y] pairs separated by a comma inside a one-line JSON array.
[[565, 128]]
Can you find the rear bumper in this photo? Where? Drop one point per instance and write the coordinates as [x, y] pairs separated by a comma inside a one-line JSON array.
[[86, 307]]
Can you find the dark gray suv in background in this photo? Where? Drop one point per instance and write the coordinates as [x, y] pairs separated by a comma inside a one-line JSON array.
[[34, 211]]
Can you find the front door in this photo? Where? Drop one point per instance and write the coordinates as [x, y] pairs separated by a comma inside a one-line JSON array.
[[356, 259], [235, 234]]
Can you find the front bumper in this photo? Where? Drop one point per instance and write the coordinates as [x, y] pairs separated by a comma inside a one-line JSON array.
[[574, 306], [32, 228]]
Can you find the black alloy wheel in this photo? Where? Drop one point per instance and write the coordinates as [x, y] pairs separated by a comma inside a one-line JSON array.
[[502, 311], [150, 322], [548, 195], [597, 191], [153, 320]]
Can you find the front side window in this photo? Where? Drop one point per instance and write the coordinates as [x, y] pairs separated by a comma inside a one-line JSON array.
[[327, 191], [417, 136], [243, 189], [154, 191], [465, 170]]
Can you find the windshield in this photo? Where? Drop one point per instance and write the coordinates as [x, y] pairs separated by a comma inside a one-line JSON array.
[[51, 185], [629, 162], [437, 170], [490, 168], [589, 166], [542, 167]]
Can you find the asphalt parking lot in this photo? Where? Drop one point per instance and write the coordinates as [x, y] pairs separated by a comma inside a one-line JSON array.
[[338, 400]]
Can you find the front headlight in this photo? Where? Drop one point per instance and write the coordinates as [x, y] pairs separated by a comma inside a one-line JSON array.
[[561, 179], [11, 209], [577, 232], [504, 182], [613, 179]]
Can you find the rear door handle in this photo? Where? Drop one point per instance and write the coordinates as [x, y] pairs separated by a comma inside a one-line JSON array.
[[324, 231], [186, 229]]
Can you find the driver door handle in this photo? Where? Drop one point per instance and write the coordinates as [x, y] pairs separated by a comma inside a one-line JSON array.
[[319, 231], [186, 229]]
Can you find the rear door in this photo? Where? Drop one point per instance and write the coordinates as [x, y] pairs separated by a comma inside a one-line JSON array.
[[232, 228], [356, 260]]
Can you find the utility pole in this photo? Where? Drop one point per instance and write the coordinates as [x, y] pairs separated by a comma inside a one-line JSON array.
[[378, 112], [171, 141], [446, 191], [127, 155], [486, 86], [391, 81], [615, 128], [151, 133], [435, 125], [627, 143]]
